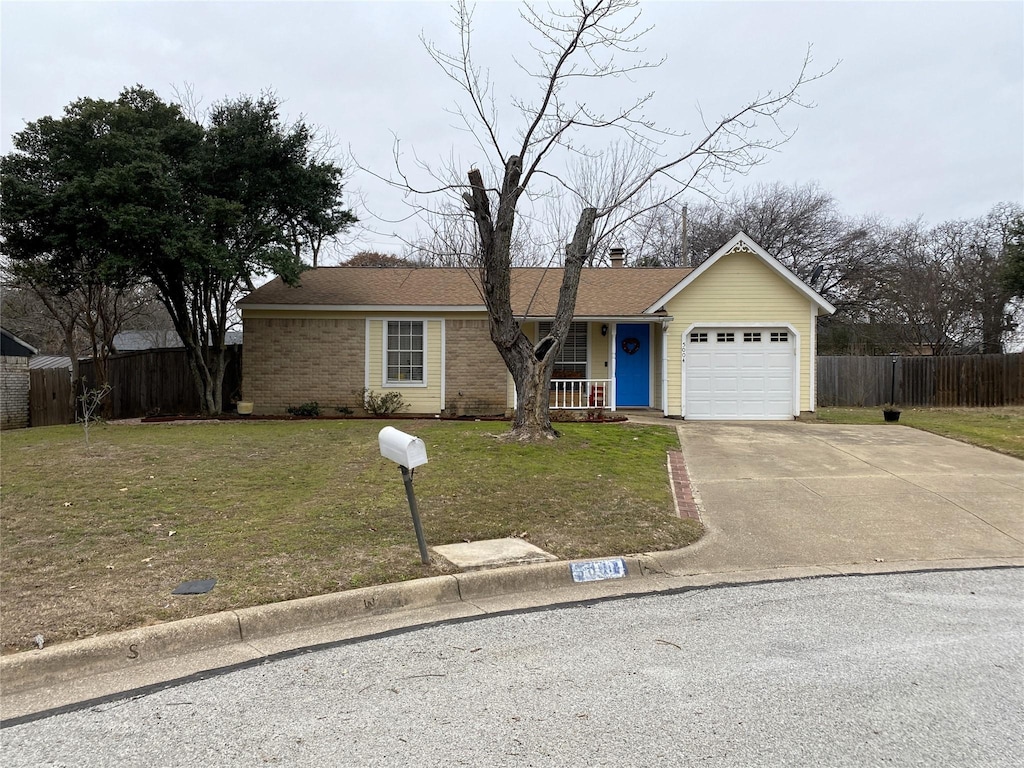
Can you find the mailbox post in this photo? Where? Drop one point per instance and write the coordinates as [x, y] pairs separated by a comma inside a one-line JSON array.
[[408, 452]]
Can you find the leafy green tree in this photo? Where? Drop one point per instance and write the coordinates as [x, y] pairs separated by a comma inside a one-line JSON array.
[[53, 220], [133, 191], [1012, 276]]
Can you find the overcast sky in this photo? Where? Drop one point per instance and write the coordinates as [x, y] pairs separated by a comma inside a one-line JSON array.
[[923, 117]]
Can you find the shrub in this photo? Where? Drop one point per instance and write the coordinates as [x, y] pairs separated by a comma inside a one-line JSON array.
[[383, 404], [309, 410]]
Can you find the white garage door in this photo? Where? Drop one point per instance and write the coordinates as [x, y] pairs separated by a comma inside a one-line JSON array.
[[739, 373]]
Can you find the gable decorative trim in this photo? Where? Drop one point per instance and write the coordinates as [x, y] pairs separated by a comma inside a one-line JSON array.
[[741, 247], [742, 243]]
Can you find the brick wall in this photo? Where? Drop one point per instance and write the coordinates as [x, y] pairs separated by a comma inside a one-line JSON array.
[[293, 361], [14, 382], [476, 375]]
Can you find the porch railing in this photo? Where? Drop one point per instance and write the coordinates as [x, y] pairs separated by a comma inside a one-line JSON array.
[[577, 394], [581, 394]]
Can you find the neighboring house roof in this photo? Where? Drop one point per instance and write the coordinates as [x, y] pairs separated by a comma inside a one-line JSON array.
[[742, 243], [50, 361], [133, 341], [136, 341], [12, 346], [603, 292]]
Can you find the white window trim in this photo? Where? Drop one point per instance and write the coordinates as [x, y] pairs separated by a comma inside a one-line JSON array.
[[444, 364], [385, 382]]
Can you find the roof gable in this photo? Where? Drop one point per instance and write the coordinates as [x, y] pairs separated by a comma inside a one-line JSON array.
[[12, 346], [742, 243]]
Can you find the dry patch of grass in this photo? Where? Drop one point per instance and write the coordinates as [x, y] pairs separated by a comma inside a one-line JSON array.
[[998, 429], [94, 540]]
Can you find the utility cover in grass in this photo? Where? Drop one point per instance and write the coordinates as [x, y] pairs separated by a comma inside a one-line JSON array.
[[194, 587], [492, 553]]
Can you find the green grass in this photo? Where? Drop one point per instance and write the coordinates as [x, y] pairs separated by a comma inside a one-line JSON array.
[[998, 429], [94, 540]]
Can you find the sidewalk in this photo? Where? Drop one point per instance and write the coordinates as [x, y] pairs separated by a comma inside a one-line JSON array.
[[780, 500]]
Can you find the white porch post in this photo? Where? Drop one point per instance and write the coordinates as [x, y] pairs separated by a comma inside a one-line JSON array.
[[612, 356], [664, 368]]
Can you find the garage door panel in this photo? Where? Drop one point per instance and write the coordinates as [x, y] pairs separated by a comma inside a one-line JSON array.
[[747, 378], [725, 384]]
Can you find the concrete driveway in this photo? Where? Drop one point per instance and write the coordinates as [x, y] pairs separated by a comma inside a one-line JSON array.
[[794, 493]]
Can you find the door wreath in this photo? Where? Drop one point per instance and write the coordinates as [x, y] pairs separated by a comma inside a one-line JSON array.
[[631, 345]]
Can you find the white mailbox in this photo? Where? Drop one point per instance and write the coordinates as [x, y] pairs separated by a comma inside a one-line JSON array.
[[403, 449]]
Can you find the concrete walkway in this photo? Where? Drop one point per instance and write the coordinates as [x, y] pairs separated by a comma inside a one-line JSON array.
[[781, 500]]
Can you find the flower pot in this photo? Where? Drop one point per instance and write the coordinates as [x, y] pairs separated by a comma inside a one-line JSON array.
[[244, 407], [891, 415]]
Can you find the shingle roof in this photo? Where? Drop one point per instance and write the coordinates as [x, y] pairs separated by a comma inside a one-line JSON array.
[[603, 292]]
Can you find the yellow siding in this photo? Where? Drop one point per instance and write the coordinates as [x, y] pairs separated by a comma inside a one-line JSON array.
[[419, 398], [739, 288]]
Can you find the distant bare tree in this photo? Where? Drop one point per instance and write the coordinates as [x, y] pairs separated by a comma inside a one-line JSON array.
[[80, 312], [943, 287]]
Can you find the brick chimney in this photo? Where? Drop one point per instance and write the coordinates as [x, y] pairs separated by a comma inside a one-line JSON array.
[[617, 256]]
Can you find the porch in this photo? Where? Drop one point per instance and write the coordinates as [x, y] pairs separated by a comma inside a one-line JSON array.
[[627, 356], [581, 394]]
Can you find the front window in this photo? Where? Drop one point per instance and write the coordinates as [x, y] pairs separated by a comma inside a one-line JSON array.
[[571, 362], [405, 351]]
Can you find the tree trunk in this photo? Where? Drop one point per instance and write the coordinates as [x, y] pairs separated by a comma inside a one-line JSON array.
[[531, 367], [532, 420], [76, 372]]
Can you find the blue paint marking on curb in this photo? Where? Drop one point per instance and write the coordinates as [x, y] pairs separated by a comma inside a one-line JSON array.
[[598, 570]]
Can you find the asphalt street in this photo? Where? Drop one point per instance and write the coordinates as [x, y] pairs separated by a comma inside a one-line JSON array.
[[910, 669]]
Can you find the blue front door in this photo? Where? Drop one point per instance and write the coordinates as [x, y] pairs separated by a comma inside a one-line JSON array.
[[632, 366]]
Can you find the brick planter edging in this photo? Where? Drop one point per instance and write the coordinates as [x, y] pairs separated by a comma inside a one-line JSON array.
[[687, 506]]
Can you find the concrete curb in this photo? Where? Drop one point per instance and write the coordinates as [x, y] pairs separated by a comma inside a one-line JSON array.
[[97, 655], [264, 621], [117, 652], [113, 653]]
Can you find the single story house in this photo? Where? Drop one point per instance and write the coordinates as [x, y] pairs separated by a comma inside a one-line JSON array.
[[730, 339]]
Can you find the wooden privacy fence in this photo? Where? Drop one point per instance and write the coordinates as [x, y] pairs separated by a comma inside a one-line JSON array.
[[158, 382], [147, 383], [954, 380], [49, 397]]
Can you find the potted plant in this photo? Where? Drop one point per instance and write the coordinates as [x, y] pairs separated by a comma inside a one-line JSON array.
[[244, 407], [891, 412]]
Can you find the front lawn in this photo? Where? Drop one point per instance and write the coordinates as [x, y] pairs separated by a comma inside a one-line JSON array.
[[999, 429], [94, 539]]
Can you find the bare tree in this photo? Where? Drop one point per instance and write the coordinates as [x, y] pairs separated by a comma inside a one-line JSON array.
[[450, 240], [943, 286], [576, 47], [80, 311]]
